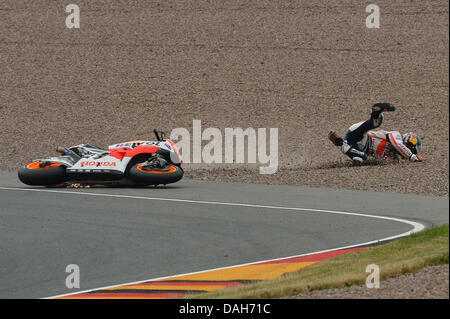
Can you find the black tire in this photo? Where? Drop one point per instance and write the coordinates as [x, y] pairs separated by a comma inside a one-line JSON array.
[[47, 176], [168, 175]]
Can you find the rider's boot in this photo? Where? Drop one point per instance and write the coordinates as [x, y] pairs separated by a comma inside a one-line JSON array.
[[378, 108]]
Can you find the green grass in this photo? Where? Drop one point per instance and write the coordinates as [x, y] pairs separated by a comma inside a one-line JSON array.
[[405, 255]]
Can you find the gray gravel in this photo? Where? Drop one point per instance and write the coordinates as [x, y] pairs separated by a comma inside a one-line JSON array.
[[428, 283], [305, 68]]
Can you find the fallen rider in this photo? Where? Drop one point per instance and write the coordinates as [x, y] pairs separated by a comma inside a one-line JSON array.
[[362, 141]]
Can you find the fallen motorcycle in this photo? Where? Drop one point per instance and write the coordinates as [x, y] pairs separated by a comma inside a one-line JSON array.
[[133, 163]]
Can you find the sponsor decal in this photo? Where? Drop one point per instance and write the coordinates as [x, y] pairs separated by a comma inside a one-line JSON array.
[[98, 164], [134, 144]]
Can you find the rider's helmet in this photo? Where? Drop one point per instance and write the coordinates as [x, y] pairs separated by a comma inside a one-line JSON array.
[[413, 142]]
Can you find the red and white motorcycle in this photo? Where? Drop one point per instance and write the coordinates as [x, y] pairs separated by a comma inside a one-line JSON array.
[[131, 163]]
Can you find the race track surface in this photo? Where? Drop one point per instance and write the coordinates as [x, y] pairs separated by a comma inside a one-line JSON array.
[[119, 235]]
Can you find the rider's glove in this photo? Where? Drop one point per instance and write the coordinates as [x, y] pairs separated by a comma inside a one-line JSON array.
[[416, 158]]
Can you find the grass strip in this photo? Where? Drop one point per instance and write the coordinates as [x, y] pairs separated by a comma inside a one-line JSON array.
[[405, 255]]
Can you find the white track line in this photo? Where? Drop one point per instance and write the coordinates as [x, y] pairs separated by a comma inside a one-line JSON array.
[[417, 227]]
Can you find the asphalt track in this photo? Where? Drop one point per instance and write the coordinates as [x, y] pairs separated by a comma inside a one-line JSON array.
[[120, 235]]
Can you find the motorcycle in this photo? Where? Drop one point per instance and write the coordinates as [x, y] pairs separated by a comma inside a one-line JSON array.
[[133, 163]]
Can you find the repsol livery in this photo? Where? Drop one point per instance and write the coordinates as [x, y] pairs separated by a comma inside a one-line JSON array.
[[129, 163]]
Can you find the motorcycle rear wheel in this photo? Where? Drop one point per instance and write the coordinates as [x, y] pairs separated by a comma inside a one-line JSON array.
[[50, 175]]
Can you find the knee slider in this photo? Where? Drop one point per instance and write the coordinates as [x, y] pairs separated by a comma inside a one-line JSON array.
[[345, 147]]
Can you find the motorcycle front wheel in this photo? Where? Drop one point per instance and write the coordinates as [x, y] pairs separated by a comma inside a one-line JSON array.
[[151, 176]]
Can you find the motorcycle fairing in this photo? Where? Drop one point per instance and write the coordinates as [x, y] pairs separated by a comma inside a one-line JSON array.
[[108, 164]]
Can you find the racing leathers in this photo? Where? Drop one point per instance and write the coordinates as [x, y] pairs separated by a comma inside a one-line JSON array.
[[361, 140]]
